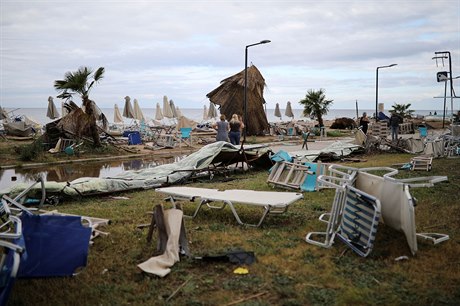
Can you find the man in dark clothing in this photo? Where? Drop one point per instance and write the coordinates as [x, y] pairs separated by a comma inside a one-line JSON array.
[[395, 120], [364, 123]]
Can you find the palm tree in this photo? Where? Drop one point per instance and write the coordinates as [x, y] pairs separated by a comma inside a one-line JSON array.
[[316, 105], [79, 82], [402, 110]]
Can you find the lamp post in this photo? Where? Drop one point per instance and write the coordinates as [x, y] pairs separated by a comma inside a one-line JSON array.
[[246, 85], [377, 89]]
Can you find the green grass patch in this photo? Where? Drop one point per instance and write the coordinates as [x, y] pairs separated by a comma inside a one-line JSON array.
[[288, 271]]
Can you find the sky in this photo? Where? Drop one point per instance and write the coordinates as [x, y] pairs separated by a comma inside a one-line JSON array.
[[183, 49]]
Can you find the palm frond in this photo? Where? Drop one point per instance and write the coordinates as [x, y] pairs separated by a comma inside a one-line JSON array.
[[99, 74]]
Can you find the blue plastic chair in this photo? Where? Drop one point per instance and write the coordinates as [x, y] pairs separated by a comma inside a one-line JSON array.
[[423, 131], [186, 134]]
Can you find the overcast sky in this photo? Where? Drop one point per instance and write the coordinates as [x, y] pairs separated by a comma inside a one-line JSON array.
[[183, 49]]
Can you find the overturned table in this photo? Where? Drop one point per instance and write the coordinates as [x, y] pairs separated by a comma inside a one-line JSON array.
[[271, 201]]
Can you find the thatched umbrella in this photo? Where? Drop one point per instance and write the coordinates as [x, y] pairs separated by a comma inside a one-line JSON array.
[[117, 118], [3, 114], [212, 113], [52, 111], [178, 112], [185, 122], [128, 111], [205, 113], [230, 96], [167, 112], [137, 111], [158, 113], [173, 108], [289, 112], [277, 111]]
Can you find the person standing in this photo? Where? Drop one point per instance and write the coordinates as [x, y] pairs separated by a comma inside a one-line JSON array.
[[222, 128], [364, 123], [235, 130], [395, 120]]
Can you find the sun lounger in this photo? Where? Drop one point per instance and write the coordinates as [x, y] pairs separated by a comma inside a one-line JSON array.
[[288, 175], [271, 202], [421, 163], [390, 194], [359, 221]]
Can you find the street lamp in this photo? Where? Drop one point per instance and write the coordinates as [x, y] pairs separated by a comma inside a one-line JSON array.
[[266, 41], [377, 89]]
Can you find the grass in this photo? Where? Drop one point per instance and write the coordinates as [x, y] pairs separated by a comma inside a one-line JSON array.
[[288, 271]]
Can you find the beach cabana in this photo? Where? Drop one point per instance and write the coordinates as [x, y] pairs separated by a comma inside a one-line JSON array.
[[230, 97]]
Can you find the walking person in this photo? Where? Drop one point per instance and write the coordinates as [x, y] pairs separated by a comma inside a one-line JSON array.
[[395, 120], [222, 128], [235, 130], [364, 123]]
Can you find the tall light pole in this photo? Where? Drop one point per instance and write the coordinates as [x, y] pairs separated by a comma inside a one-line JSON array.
[[246, 85], [377, 89]]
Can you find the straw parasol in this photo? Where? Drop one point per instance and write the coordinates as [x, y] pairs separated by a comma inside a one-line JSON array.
[[205, 113], [277, 111], [52, 111], [178, 112], [289, 112], [158, 113], [185, 122], [212, 111], [173, 108], [3, 114], [117, 118], [230, 97], [167, 112], [137, 111], [128, 111]]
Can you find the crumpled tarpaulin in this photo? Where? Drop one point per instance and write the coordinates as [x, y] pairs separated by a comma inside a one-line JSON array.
[[158, 176], [336, 149]]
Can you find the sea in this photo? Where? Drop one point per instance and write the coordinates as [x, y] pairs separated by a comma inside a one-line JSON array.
[[39, 114]]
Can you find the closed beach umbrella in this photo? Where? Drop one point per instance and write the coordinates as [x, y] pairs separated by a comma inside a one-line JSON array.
[[178, 112], [128, 111], [158, 113], [173, 108], [277, 111], [212, 111], [137, 111], [205, 113], [289, 112], [117, 115], [52, 111], [167, 112]]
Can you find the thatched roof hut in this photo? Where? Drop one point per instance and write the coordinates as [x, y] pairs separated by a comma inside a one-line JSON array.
[[230, 97]]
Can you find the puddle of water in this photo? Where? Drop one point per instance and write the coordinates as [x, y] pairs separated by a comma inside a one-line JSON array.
[[70, 172]]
